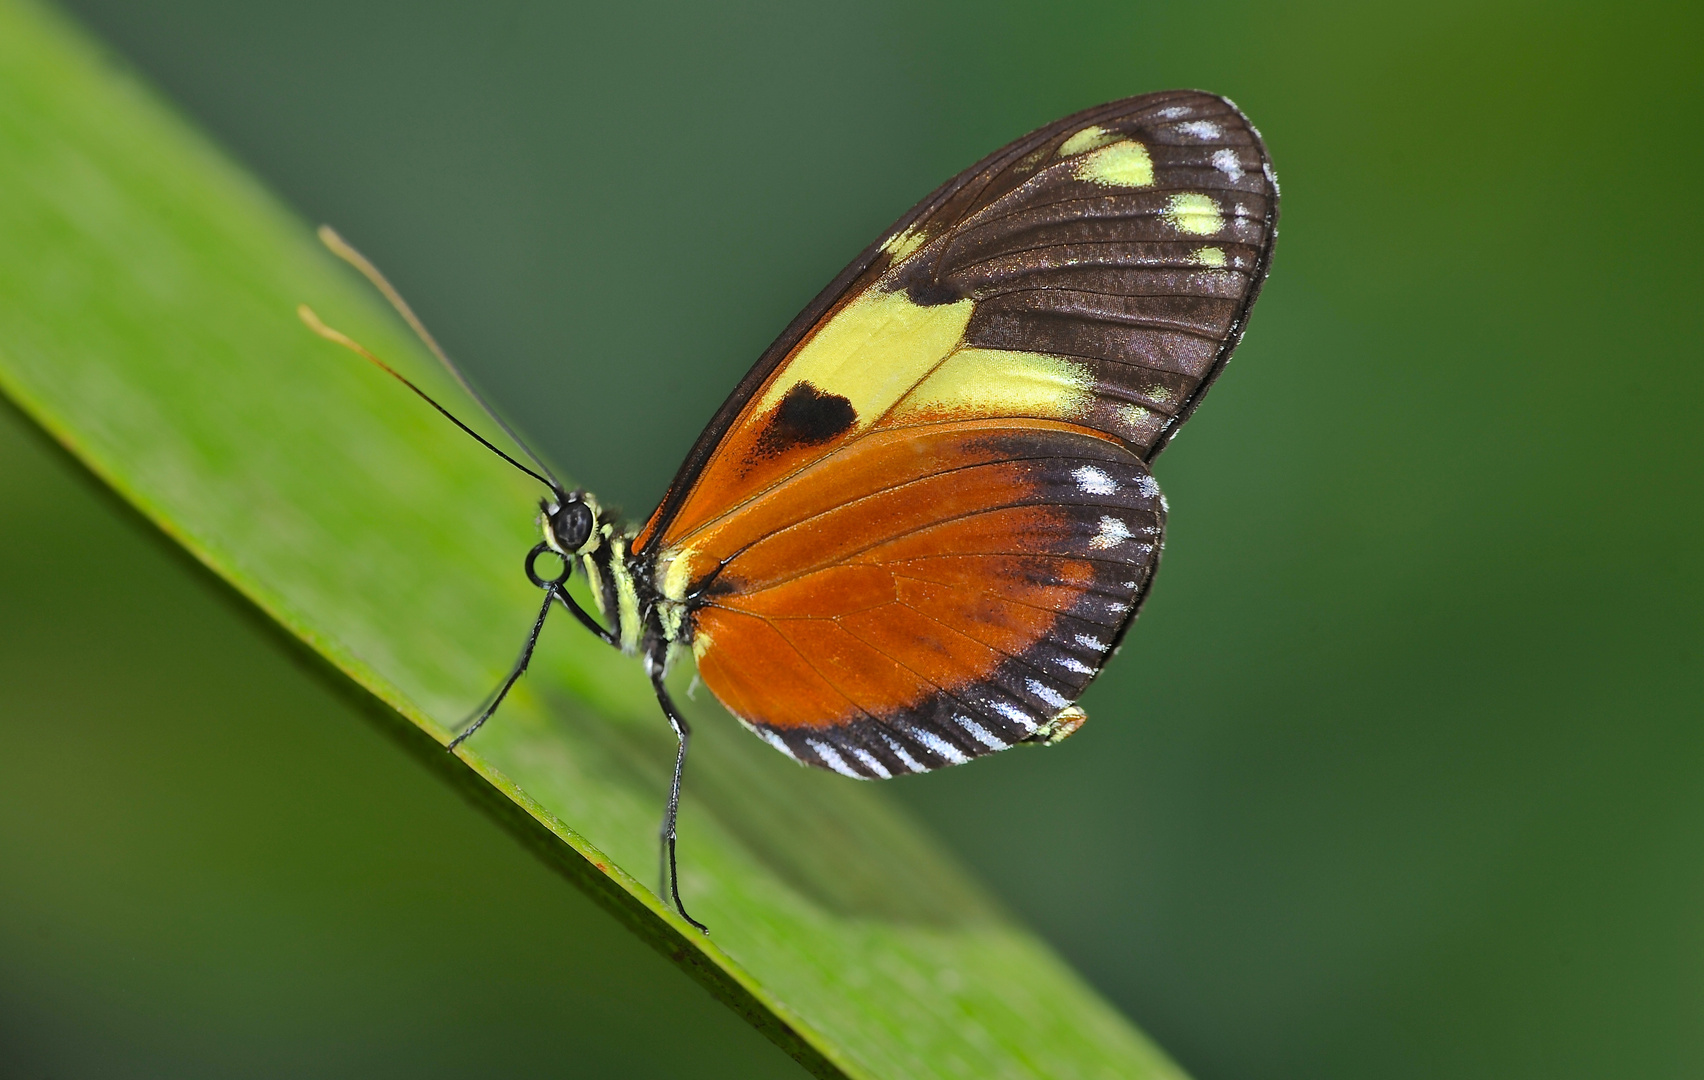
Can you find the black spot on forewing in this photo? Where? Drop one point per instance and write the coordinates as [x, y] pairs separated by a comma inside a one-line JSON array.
[[806, 417], [933, 293], [925, 288]]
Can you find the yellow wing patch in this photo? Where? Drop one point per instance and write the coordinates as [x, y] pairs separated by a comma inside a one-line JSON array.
[[990, 382], [1120, 164], [873, 351], [1092, 137], [904, 243], [1195, 214]]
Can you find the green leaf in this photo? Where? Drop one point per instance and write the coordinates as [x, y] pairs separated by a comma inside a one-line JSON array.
[[147, 319]]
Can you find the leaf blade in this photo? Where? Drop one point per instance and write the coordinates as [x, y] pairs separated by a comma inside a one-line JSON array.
[[147, 321]]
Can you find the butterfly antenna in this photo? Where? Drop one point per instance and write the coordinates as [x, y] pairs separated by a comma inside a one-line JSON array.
[[345, 251], [313, 321]]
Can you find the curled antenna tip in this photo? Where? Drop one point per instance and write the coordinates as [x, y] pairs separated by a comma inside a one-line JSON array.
[[318, 326], [333, 239], [345, 251], [313, 321]]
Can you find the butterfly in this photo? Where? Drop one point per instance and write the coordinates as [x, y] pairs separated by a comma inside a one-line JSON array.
[[924, 520]]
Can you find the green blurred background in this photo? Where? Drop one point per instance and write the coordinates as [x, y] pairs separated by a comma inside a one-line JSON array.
[[1401, 774]]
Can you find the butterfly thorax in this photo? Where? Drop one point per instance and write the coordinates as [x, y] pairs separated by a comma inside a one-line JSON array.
[[643, 619]]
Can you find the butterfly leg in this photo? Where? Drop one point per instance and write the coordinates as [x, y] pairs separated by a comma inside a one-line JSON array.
[[555, 586], [514, 675], [587, 621], [683, 734]]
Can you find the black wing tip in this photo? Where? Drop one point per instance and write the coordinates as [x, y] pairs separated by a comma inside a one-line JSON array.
[[1262, 268]]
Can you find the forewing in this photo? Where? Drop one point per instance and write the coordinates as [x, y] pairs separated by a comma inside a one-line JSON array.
[[1098, 271]]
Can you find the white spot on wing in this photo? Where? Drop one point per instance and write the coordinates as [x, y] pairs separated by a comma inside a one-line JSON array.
[[900, 752], [871, 763], [940, 746], [981, 734], [1046, 693], [1071, 663], [1226, 162], [1176, 112], [1092, 481], [1013, 713], [831, 757], [1095, 643], [1112, 533], [1147, 487], [1201, 129], [776, 741]]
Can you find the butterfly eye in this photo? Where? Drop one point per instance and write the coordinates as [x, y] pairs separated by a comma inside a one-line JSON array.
[[572, 525]]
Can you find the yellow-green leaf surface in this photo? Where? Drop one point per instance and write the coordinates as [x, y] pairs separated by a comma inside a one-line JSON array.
[[147, 319]]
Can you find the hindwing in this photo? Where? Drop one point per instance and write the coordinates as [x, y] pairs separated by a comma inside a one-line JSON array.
[[929, 594]]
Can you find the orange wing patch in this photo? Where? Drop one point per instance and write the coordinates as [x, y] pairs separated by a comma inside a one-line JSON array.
[[924, 597]]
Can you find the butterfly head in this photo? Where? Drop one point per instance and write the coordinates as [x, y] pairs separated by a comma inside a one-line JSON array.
[[571, 522]]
